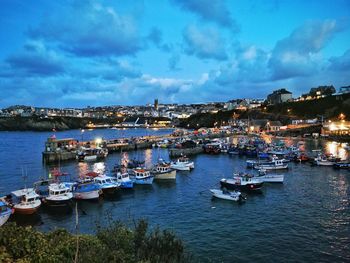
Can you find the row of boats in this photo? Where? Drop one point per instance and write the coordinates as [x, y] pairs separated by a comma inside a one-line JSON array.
[[54, 192]]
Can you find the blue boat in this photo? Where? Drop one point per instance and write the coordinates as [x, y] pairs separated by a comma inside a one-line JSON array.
[[141, 176], [5, 213], [263, 155], [85, 190]]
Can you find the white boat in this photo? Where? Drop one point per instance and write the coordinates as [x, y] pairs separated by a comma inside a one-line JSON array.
[[59, 195], [28, 201], [163, 171], [275, 165], [91, 154], [5, 212], [107, 184], [226, 195], [182, 164], [322, 160], [269, 178], [242, 182]]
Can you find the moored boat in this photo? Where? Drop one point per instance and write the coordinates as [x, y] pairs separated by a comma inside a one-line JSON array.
[[141, 176], [275, 165], [243, 183], [269, 178], [227, 195], [163, 171], [5, 212], [182, 164], [59, 195], [107, 184], [28, 201], [85, 190]]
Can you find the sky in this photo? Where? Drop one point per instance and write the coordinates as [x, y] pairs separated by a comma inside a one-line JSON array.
[[93, 53]]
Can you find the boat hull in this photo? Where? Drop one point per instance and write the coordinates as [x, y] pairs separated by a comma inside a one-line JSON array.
[[127, 185], [230, 197], [57, 203], [247, 187], [165, 176], [148, 180], [272, 178], [4, 217], [87, 195], [26, 211]]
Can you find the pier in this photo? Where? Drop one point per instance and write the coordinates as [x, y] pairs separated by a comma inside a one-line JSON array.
[[57, 150]]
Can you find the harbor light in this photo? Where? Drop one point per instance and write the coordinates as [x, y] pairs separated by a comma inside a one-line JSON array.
[[98, 141]]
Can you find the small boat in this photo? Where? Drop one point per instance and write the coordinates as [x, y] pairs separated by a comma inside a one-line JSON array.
[[269, 178], [341, 165], [5, 212], [28, 201], [59, 195], [85, 190], [141, 176], [124, 180], [226, 195], [182, 164], [243, 183], [107, 184], [163, 170], [275, 165], [322, 160]]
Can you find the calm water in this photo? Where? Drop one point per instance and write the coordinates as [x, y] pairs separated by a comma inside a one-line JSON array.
[[304, 220]]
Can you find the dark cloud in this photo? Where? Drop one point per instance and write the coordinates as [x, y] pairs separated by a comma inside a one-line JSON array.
[[294, 56], [90, 29], [204, 43], [341, 63], [33, 60], [211, 10]]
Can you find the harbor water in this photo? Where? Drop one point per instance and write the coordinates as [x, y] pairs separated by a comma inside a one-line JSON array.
[[306, 219]]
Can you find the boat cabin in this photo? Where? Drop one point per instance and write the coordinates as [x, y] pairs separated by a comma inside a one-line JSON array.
[[141, 173], [26, 196], [58, 189]]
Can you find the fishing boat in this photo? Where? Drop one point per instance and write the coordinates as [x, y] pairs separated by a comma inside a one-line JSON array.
[[85, 190], [275, 165], [182, 164], [124, 180], [5, 212], [269, 178], [28, 201], [163, 171], [323, 160], [243, 183], [227, 195], [107, 184], [273, 159], [141, 176], [212, 148], [59, 195]]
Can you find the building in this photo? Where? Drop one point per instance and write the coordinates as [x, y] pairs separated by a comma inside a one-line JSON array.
[[279, 96], [344, 90], [156, 104]]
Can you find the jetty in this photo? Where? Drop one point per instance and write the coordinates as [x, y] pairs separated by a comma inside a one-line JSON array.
[[57, 150]]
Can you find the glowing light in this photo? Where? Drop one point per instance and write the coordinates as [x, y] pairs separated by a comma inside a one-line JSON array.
[[98, 141]]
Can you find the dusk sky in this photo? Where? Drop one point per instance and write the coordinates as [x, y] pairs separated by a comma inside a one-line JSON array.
[[78, 53]]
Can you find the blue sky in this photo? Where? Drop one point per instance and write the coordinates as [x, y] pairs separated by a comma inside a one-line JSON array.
[[78, 53]]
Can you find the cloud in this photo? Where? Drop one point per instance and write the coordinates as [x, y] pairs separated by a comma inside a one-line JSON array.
[[34, 60], [205, 43], [87, 29], [210, 10], [296, 55], [174, 61], [341, 63]]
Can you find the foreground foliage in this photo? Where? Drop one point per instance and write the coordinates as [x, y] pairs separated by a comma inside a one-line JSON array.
[[116, 243]]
